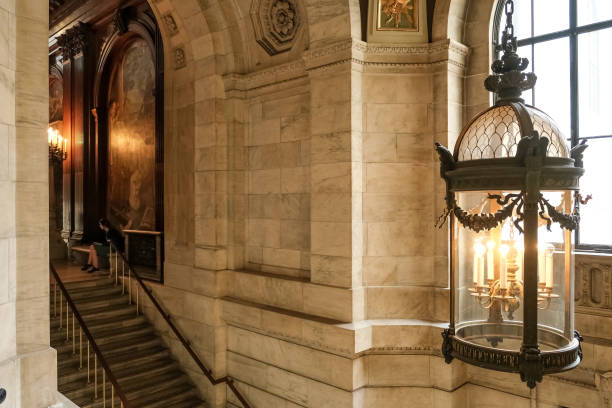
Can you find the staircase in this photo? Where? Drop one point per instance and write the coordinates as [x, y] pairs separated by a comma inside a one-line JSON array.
[[137, 357]]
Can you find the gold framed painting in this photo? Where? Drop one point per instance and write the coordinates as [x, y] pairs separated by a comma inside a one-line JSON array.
[[397, 21], [398, 15]]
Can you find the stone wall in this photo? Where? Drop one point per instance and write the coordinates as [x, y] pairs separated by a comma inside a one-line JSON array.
[[278, 164], [27, 363], [302, 189]]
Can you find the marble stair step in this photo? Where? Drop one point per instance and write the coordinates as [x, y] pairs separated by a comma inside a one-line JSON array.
[[165, 397], [84, 390], [90, 402], [98, 316], [108, 290], [143, 332], [84, 306], [132, 373], [75, 286], [128, 347], [118, 311], [157, 384], [133, 358], [191, 403], [108, 336], [138, 372]]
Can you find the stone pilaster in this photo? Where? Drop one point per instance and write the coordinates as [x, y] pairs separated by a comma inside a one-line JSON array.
[[27, 363]]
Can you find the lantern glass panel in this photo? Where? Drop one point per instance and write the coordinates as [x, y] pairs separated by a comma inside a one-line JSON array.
[[488, 277], [555, 261]]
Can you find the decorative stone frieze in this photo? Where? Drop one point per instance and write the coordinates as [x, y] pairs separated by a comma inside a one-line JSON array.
[[388, 58], [276, 24], [593, 288]]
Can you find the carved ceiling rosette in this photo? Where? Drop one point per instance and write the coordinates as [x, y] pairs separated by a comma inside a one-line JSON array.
[[276, 24]]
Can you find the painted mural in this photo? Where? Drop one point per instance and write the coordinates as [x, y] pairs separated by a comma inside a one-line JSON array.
[[398, 15], [56, 100], [131, 158]]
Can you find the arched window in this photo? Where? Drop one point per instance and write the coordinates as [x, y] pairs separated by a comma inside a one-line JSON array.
[[567, 43]]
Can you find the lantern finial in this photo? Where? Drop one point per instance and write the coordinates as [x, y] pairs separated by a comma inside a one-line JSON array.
[[508, 81]]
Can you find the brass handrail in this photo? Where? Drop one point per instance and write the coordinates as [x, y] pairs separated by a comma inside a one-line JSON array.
[[207, 372], [96, 350]]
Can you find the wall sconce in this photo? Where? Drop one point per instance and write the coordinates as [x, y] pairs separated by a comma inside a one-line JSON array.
[[57, 146]]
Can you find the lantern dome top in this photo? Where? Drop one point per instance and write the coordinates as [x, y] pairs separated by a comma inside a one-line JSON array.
[[495, 133]]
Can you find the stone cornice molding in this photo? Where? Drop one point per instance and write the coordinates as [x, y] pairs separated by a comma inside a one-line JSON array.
[[387, 57], [262, 81], [356, 54]]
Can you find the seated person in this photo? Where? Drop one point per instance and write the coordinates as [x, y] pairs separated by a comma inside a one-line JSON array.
[[98, 250]]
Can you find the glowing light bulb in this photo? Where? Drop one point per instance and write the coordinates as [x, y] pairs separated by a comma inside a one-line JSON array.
[[503, 274]]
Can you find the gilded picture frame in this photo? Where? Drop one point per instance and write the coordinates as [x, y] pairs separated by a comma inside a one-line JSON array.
[[398, 15], [397, 21]]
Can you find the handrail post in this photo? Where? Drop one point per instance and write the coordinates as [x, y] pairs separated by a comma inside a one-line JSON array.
[[67, 322], [61, 310], [110, 261], [80, 347], [54, 298], [73, 342], [88, 380], [95, 376], [129, 285]]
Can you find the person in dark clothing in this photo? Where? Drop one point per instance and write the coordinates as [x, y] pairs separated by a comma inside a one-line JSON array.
[[99, 250]]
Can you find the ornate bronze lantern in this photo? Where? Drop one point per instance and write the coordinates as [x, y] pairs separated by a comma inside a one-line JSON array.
[[512, 204]]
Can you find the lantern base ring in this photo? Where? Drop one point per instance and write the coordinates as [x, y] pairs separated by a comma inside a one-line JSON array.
[[467, 343]]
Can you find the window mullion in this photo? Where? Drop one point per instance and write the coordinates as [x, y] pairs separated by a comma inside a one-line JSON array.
[[574, 112]]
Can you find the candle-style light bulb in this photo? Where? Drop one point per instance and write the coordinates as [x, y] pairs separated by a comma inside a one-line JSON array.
[[548, 255], [541, 265], [503, 273], [490, 261], [479, 252], [520, 250]]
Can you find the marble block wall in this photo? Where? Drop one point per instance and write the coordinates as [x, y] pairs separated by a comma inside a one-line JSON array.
[[302, 192], [278, 163], [27, 363]]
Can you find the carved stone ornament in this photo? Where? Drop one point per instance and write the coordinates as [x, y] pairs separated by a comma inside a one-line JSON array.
[[276, 24], [170, 24], [74, 40], [119, 22], [180, 61]]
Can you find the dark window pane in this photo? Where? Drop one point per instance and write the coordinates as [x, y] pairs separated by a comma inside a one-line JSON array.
[[593, 11], [550, 16], [595, 220], [595, 83], [552, 89]]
